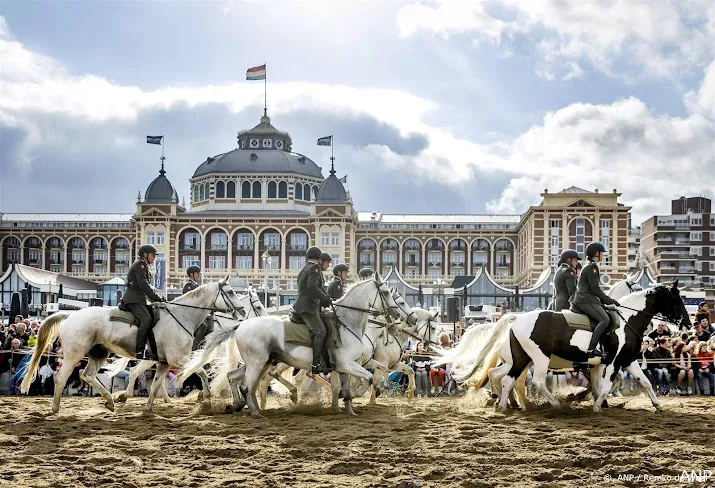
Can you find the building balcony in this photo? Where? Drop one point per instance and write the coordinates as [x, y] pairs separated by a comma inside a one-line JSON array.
[[56, 262], [411, 248], [100, 261], [189, 248], [389, 248], [366, 248], [298, 247], [389, 263], [367, 264], [245, 247], [480, 249], [270, 248], [121, 246], [502, 264], [120, 262], [78, 262], [34, 262], [434, 264], [412, 264], [218, 247], [457, 265]]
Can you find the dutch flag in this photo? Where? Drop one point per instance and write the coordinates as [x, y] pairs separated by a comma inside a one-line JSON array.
[[256, 73]]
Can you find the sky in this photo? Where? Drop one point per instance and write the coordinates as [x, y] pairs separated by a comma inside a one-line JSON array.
[[436, 106]]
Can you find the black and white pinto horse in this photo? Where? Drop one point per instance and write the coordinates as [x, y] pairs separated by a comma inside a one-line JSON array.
[[536, 337]]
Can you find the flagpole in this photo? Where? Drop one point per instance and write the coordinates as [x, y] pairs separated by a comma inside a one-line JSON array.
[[265, 91]]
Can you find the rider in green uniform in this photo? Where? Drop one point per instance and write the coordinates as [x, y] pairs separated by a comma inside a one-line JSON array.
[[311, 296], [590, 299], [366, 273], [565, 280], [336, 288]]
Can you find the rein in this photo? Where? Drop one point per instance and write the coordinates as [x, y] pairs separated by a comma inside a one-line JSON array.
[[646, 313], [213, 309]]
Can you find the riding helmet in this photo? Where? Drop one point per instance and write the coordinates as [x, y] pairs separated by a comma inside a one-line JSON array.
[[326, 258], [338, 268], [147, 248], [569, 254], [313, 253], [366, 272], [193, 269], [593, 248]]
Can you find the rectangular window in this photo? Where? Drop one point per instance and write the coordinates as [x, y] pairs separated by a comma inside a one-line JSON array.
[[192, 241], [296, 262], [606, 240], [389, 258], [457, 258], [696, 236], [56, 257], [35, 257], [217, 262], [434, 257], [434, 273], [325, 238], [712, 236], [160, 237], [244, 262], [219, 241], [245, 240], [272, 241], [698, 265], [335, 238], [77, 257], [271, 262], [480, 258], [555, 244], [712, 220], [150, 238], [299, 240], [696, 221], [336, 259], [189, 260], [580, 236], [367, 259], [13, 256], [696, 251], [458, 272], [712, 266], [712, 251]]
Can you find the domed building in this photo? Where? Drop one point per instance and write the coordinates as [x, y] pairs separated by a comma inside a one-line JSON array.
[[255, 209]]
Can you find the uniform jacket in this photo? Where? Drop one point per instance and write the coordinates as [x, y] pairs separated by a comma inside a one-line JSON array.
[[311, 294], [588, 289], [191, 285], [564, 286], [336, 288], [138, 288]]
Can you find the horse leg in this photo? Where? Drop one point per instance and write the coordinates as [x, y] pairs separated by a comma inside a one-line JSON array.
[[336, 387], [68, 364], [496, 375], [347, 400], [204, 384], [605, 386], [90, 376], [520, 390], [319, 380], [541, 369], [635, 370], [159, 374], [377, 377], [122, 396], [263, 388], [254, 371], [402, 367], [277, 373], [235, 379]]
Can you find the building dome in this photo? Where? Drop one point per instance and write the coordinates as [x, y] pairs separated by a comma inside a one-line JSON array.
[[263, 149], [331, 190], [161, 190]]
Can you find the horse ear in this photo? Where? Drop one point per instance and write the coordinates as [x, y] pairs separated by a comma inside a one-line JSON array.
[[435, 313], [225, 280], [675, 284], [378, 278]]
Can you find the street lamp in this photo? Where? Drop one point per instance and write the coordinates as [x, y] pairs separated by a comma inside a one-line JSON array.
[[439, 284], [265, 257]]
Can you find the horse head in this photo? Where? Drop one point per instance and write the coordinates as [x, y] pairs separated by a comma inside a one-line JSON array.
[[226, 298], [667, 302], [406, 311], [386, 302]]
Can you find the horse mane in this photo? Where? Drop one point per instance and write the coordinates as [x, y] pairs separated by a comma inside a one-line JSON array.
[[350, 287], [196, 293]]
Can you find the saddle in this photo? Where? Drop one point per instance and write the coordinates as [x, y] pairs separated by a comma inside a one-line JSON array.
[[581, 321], [121, 313], [297, 333]]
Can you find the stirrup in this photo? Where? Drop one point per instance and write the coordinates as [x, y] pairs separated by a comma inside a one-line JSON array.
[[594, 353]]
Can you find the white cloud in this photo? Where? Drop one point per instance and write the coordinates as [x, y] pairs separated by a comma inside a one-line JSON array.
[[626, 39], [703, 101], [619, 145]]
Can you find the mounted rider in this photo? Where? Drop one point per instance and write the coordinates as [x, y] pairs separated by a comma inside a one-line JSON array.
[[565, 280], [311, 296], [336, 288], [138, 291], [207, 326], [194, 274], [366, 273], [589, 299]]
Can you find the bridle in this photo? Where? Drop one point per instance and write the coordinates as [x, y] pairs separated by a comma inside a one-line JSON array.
[[370, 310], [219, 293]]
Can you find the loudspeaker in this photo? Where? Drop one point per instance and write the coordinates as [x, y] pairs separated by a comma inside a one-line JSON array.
[[453, 309], [95, 302]]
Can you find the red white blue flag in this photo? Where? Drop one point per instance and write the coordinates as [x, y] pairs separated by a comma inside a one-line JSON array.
[[256, 73]]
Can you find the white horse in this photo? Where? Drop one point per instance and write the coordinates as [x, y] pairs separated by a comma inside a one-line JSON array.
[[261, 341], [382, 341], [539, 335], [90, 331], [249, 304]]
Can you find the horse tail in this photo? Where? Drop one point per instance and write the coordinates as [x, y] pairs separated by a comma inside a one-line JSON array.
[[474, 349], [48, 333], [489, 356], [202, 356], [225, 365], [114, 368]]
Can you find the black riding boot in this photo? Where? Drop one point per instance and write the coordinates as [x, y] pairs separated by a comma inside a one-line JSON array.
[[318, 342], [595, 338]]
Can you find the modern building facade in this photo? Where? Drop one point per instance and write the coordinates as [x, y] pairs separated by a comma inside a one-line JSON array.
[[255, 209], [682, 245]]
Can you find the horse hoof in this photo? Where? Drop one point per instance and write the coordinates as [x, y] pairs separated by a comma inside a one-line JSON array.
[[122, 398], [351, 412], [256, 415], [228, 409], [294, 398], [659, 409], [201, 396]]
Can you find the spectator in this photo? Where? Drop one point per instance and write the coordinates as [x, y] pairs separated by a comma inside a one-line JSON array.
[[682, 367], [437, 374], [702, 331], [661, 330], [421, 366], [705, 360], [647, 356], [18, 319], [662, 359], [702, 313]]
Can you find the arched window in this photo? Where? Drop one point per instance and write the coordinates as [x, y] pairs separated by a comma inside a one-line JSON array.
[[256, 189], [299, 191], [282, 189], [196, 193], [246, 189], [201, 192], [272, 189], [220, 189], [206, 190], [306, 192], [315, 192], [231, 189]]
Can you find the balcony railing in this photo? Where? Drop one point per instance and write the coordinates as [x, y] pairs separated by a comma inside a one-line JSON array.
[[121, 262], [412, 248], [367, 264], [190, 248], [56, 245], [412, 263], [218, 247], [34, 261], [366, 248], [436, 263], [121, 246], [458, 264], [298, 247], [100, 261], [503, 264], [56, 261], [389, 248], [271, 248], [78, 262]]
